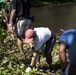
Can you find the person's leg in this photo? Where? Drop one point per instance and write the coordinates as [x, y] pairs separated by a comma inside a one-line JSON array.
[[72, 69], [20, 46], [22, 26], [72, 56], [19, 38], [49, 47]]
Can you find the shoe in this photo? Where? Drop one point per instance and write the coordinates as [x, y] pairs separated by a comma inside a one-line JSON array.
[[28, 69]]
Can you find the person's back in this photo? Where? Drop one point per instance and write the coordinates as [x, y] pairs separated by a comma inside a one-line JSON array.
[[68, 36], [22, 8], [42, 35]]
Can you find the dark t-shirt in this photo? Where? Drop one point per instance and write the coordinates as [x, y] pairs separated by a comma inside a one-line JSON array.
[[22, 8]]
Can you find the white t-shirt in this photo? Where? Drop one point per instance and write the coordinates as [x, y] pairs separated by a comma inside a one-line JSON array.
[[42, 35]]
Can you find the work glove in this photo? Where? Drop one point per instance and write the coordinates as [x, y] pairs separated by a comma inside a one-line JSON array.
[[28, 69], [10, 28]]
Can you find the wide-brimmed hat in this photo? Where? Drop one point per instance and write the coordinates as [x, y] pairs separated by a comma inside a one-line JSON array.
[[29, 35]]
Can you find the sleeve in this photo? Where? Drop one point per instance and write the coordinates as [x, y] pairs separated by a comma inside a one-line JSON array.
[[13, 3]]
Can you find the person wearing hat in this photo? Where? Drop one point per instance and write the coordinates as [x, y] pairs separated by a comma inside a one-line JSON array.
[[36, 38], [65, 43]]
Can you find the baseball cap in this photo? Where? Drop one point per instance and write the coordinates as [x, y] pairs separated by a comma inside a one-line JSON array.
[[29, 34]]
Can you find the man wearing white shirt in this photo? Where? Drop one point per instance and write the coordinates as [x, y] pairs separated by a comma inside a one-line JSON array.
[[36, 38]]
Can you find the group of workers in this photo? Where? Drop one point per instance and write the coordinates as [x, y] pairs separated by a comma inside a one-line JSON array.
[[37, 37]]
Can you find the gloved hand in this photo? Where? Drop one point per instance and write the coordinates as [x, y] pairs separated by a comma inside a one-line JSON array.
[[33, 47], [28, 69], [10, 28]]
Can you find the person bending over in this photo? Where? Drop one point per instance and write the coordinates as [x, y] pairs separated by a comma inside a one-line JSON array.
[[36, 38], [65, 43]]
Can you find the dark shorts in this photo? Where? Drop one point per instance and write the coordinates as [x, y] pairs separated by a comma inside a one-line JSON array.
[[21, 27]]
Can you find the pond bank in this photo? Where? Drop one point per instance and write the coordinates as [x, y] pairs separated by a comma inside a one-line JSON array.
[[53, 3]]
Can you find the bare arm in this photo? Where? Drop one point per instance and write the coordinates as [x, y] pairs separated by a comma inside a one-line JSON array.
[[35, 53], [12, 14], [62, 54], [10, 27]]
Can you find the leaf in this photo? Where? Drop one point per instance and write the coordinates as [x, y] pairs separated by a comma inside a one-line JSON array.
[[22, 66], [5, 61], [10, 65]]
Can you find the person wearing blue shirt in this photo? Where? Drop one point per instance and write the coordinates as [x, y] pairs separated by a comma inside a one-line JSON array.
[[65, 43]]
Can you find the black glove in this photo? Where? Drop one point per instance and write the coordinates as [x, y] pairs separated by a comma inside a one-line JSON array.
[[33, 48]]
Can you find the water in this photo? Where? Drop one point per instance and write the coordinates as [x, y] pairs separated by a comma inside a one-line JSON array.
[[55, 17]]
